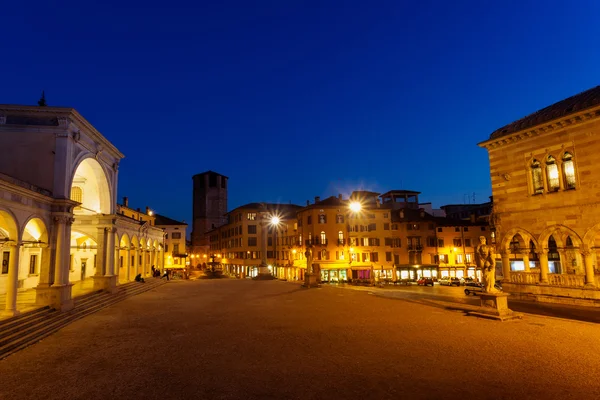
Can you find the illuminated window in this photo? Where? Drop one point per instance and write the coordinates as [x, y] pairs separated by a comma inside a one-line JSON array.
[[322, 219], [33, 264], [77, 194], [340, 237], [252, 216], [323, 238], [536, 177], [552, 172], [569, 171]]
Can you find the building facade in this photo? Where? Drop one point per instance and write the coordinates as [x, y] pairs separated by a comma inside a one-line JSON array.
[[545, 181], [174, 241], [58, 215], [389, 238]]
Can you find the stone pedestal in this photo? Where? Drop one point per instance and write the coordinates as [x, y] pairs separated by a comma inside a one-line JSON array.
[[108, 283], [495, 306], [311, 281], [56, 296], [264, 274]]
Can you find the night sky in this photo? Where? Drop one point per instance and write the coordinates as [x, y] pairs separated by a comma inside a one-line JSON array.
[[296, 99]]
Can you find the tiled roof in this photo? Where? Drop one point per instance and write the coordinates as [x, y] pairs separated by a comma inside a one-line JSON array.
[[571, 105], [162, 220]]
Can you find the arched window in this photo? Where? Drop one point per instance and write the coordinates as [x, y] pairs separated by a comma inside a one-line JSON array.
[[552, 174], [341, 238], [536, 177], [569, 241], [77, 194], [323, 238], [568, 171], [322, 219]]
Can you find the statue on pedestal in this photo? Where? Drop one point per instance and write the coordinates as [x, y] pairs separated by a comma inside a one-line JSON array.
[[309, 260], [484, 257]]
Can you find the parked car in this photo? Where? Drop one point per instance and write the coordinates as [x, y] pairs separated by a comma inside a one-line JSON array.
[[450, 281], [473, 287], [425, 282]]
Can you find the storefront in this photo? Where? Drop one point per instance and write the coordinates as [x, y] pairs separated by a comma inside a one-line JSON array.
[[334, 275], [416, 272]]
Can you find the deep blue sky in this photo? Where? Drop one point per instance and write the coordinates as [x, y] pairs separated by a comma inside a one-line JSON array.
[[296, 99]]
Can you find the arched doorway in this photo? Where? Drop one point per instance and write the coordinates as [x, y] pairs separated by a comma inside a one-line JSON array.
[[34, 253], [123, 259], [83, 256], [90, 188]]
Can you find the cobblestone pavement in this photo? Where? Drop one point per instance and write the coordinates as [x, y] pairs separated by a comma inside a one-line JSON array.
[[243, 339]]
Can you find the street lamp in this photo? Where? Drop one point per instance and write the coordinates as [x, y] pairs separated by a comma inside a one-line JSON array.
[[355, 208], [274, 222]]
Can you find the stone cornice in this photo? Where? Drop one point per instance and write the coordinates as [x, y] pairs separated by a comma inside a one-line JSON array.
[[65, 115], [550, 126]]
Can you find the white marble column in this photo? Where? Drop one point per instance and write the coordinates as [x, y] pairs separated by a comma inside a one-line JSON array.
[[126, 264], [14, 250]]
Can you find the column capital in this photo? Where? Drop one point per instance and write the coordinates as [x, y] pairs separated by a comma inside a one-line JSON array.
[[542, 252], [11, 243], [586, 253], [524, 252], [64, 219], [504, 252]]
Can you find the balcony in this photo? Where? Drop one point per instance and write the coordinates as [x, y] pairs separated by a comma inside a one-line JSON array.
[[415, 247]]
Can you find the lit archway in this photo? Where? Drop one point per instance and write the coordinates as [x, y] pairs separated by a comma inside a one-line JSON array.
[[83, 256], [90, 187], [34, 239], [8, 233]]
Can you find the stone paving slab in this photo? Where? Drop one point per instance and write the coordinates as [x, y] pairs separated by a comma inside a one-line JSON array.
[[242, 339]]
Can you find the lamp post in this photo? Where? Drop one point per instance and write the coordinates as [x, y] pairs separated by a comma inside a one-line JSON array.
[[354, 208], [263, 270]]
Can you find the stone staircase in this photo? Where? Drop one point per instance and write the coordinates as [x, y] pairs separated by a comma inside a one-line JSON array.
[[26, 329]]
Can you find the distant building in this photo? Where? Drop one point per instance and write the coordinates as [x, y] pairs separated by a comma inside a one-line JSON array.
[[209, 207], [389, 238], [471, 212], [175, 241], [545, 173]]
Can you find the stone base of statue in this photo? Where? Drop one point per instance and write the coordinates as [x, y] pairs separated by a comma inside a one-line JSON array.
[[311, 281], [263, 274], [495, 306]]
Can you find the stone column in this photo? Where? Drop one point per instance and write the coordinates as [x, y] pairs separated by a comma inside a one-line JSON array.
[[505, 265], [13, 279], [525, 254], [126, 264], [58, 295], [543, 255], [136, 261], [105, 278], [590, 278]]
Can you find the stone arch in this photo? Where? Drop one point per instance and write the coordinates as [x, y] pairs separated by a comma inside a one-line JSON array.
[[124, 241], [35, 228], [34, 239], [591, 238], [523, 236], [94, 189], [8, 226], [560, 233]]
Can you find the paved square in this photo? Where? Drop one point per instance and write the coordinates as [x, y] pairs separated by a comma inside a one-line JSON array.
[[233, 339]]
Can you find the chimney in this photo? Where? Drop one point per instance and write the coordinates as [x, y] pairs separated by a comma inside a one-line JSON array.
[[125, 201], [147, 210], [138, 210], [308, 202], [317, 199]]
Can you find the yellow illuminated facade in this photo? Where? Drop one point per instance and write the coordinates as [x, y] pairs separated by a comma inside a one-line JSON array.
[[544, 174]]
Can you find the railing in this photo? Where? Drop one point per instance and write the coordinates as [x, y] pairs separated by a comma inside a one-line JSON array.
[[530, 278], [571, 280], [562, 280]]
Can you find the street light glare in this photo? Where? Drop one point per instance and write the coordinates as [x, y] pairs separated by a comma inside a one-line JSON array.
[[355, 206], [275, 220]]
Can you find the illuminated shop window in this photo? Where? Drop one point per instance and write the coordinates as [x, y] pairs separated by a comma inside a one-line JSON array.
[[552, 174], [536, 177], [569, 171]]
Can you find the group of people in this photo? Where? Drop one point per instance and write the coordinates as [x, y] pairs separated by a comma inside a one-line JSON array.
[[156, 273]]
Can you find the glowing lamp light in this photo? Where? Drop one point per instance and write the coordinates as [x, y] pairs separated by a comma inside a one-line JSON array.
[[150, 213], [355, 206], [275, 220], [553, 173]]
